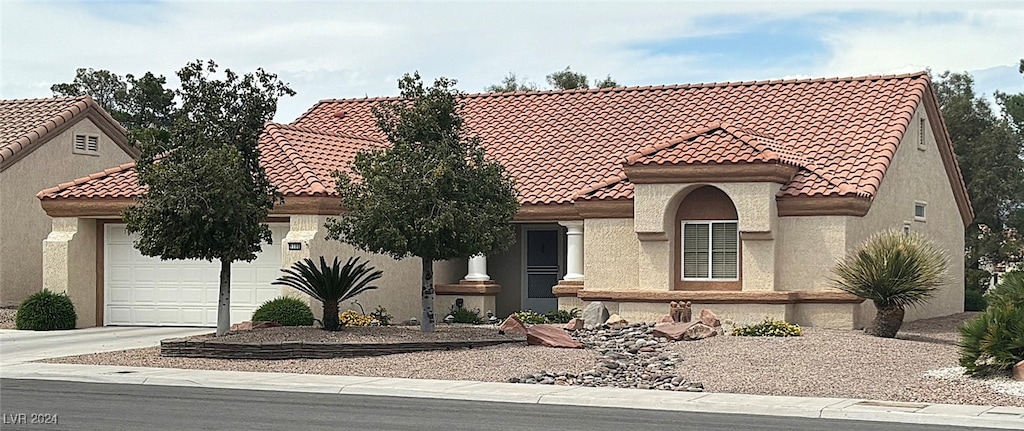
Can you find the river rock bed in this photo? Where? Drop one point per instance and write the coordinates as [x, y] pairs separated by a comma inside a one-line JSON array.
[[630, 357]]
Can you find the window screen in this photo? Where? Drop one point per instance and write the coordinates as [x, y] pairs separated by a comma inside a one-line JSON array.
[[710, 250]]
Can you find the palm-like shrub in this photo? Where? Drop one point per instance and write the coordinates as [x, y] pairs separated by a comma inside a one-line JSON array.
[[994, 340], [895, 270], [330, 284]]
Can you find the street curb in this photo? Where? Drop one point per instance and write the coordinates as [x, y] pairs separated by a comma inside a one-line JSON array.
[[702, 402]]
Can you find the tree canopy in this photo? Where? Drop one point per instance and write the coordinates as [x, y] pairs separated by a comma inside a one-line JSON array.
[[560, 80], [431, 193], [137, 103], [207, 196], [989, 149]]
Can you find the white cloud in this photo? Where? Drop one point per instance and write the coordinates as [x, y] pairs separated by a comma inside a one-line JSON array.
[[329, 49]]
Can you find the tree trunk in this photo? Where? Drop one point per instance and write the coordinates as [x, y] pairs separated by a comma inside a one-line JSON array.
[[224, 302], [888, 321], [427, 324], [330, 316]]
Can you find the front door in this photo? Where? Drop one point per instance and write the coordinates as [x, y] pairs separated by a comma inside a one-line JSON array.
[[543, 256]]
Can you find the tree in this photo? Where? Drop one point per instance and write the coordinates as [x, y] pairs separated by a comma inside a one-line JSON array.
[[511, 84], [431, 193], [607, 82], [989, 153], [139, 104], [567, 80], [207, 196]]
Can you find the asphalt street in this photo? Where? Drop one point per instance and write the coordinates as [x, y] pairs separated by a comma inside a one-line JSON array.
[[104, 406]]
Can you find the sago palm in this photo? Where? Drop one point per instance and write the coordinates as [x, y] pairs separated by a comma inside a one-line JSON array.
[[895, 270], [330, 284]]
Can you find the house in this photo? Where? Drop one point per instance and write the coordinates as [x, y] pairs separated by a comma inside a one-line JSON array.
[[738, 197], [44, 141]]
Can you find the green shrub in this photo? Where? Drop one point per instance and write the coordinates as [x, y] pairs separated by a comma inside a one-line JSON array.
[[46, 311], [563, 316], [285, 310], [974, 300], [382, 316], [465, 315], [530, 317], [769, 328], [993, 341]]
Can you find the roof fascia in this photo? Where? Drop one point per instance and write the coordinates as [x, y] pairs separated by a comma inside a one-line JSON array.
[[789, 206], [730, 173], [948, 155]]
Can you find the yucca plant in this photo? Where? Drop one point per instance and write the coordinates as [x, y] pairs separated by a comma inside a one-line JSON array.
[[330, 284], [994, 340], [895, 270]]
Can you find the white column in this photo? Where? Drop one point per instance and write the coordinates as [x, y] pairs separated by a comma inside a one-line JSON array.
[[478, 268], [574, 250]]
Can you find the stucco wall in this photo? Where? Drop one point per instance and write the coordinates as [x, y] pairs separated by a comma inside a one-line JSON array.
[[916, 175], [69, 256], [807, 249], [23, 224], [506, 269], [399, 288], [611, 250]]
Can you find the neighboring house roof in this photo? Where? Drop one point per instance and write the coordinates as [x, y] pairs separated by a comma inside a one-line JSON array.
[[26, 124], [838, 135]]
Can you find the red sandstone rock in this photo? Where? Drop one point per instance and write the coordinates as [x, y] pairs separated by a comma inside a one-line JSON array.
[[699, 331], [1018, 371], [709, 318], [665, 319], [246, 326], [673, 330], [550, 336], [575, 324], [512, 325]]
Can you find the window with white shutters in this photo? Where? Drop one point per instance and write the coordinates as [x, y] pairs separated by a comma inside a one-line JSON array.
[[710, 250]]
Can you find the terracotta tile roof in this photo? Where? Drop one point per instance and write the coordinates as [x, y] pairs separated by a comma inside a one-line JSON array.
[[842, 131], [564, 145], [299, 161], [26, 122]]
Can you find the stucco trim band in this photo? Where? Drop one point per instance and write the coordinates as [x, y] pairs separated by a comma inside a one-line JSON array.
[[721, 297], [731, 173], [822, 206], [567, 288]]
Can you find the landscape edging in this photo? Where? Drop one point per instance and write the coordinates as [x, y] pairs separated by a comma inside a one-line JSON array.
[[184, 347]]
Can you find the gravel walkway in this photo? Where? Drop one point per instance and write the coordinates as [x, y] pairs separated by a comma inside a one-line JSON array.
[[823, 363]]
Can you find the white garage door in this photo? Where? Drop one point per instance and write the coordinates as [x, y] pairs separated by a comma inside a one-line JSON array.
[[147, 291]]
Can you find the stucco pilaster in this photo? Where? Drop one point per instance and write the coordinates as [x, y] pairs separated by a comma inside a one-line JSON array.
[[758, 263], [69, 265]]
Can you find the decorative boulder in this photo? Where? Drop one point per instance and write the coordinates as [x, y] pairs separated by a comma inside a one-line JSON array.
[[595, 314], [615, 319], [247, 326], [512, 325], [575, 324], [709, 318], [673, 330], [699, 331], [665, 319], [1018, 371], [550, 336]]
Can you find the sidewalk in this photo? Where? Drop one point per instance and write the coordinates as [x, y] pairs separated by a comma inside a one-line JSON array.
[[834, 408]]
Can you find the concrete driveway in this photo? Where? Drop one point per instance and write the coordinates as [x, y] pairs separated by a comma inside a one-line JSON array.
[[24, 346]]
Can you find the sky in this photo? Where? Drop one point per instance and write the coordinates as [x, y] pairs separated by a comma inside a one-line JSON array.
[[339, 49]]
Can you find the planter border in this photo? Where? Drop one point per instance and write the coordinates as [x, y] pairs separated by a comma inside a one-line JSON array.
[[188, 348]]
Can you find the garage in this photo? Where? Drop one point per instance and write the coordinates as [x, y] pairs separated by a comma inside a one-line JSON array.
[[146, 291]]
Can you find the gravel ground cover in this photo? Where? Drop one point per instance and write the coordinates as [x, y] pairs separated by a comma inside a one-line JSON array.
[[7, 317], [917, 367]]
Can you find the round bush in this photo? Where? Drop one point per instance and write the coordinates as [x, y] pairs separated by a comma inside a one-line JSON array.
[[46, 311], [284, 310], [974, 300]]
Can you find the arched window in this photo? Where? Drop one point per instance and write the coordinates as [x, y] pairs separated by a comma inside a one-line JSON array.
[[706, 243]]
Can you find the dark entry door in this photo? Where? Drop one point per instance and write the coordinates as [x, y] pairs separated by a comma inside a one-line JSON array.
[[543, 250]]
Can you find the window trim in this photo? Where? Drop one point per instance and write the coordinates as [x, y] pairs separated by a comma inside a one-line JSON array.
[[84, 150], [711, 239], [924, 210]]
